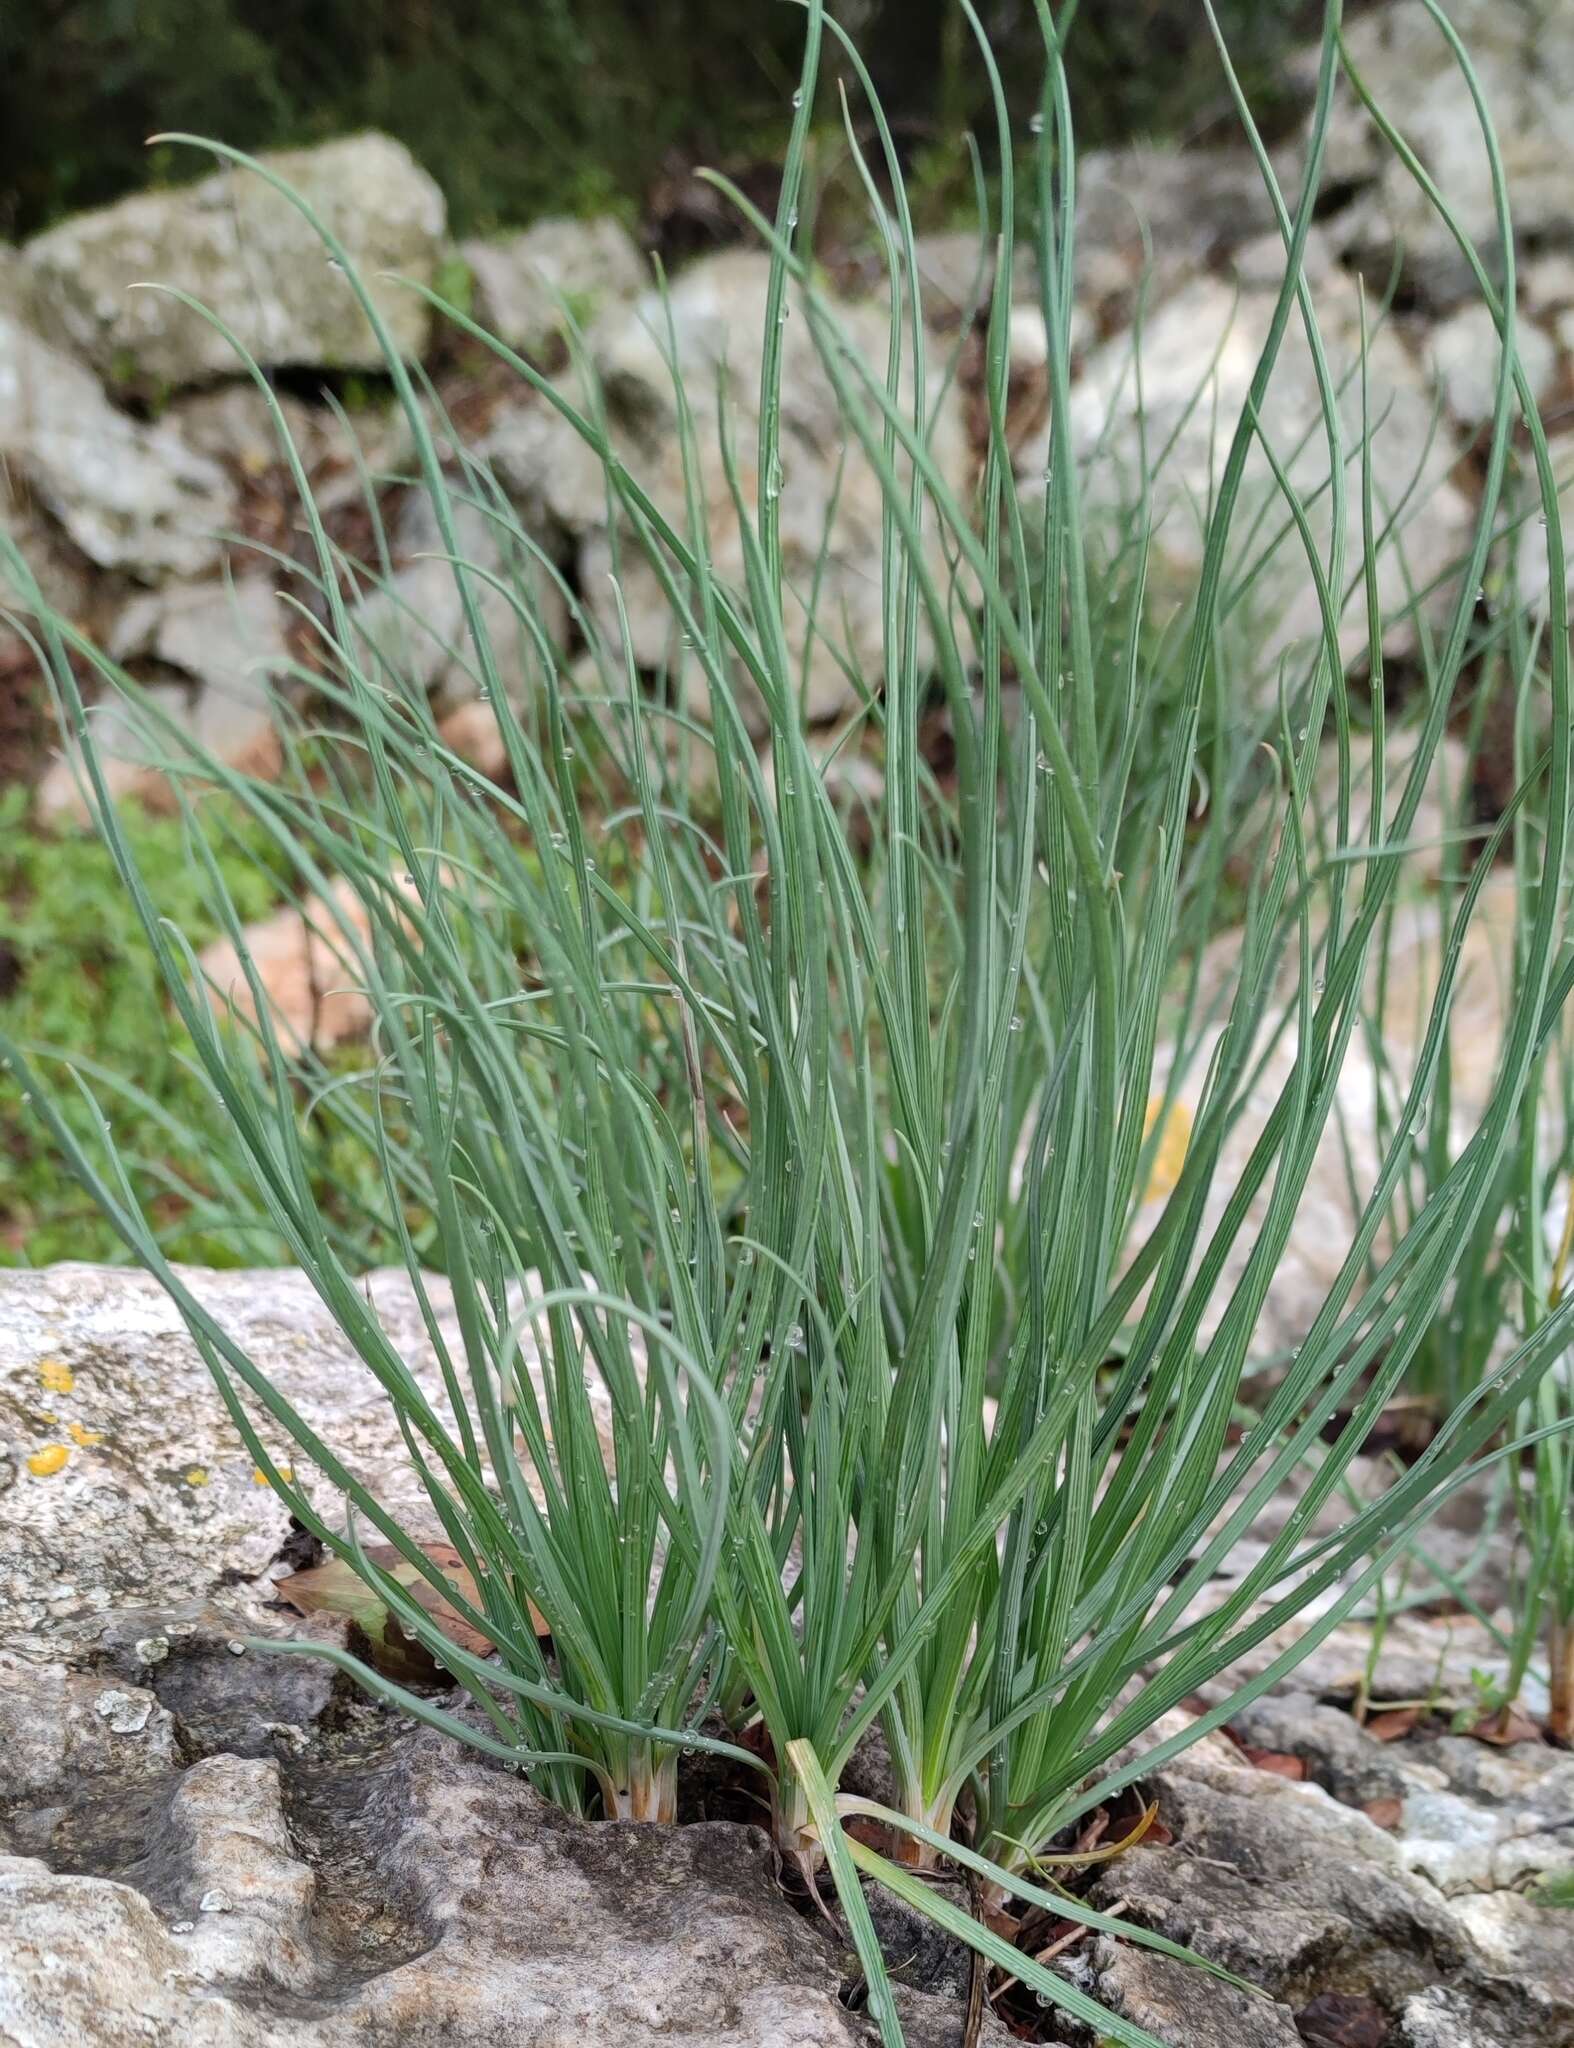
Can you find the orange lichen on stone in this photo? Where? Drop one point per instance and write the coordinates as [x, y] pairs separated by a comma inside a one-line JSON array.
[[260, 1478], [44, 1463], [197, 1476], [56, 1376], [1169, 1154], [84, 1437]]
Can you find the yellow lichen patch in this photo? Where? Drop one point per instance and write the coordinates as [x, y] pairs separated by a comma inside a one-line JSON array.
[[55, 1376], [197, 1476], [260, 1478], [1169, 1155], [84, 1437], [44, 1463]]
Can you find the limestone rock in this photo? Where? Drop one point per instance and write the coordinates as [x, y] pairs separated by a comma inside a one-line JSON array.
[[956, 275], [523, 281], [1547, 282], [120, 735], [131, 496], [228, 637], [62, 1725], [133, 1488], [1532, 562], [420, 1896], [415, 623], [233, 424], [1466, 350], [1176, 2002], [61, 574], [1308, 1899], [1198, 355], [242, 249], [1523, 54], [717, 308], [1154, 218]]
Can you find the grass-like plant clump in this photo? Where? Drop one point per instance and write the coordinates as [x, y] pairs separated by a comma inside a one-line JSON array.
[[843, 1341]]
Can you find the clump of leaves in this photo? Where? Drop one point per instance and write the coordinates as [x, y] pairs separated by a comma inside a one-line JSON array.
[[825, 1354]]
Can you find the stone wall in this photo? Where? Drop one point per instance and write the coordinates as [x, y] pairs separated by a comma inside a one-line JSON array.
[[133, 441]]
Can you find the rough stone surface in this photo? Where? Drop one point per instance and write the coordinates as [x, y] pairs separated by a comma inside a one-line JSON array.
[[415, 623], [1314, 1903], [419, 1896], [1153, 219], [155, 1500], [1324, 1222], [61, 574], [130, 496], [242, 1851], [228, 638], [1176, 2002], [1466, 350], [1198, 355], [523, 281], [1523, 54], [717, 309], [242, 249], [120, 735], [1533, 567], [1479, 1822]]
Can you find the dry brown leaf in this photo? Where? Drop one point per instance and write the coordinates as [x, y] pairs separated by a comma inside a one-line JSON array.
[[1504, 1728], [1279, 1761], [1394, 1725], [334, 1587]]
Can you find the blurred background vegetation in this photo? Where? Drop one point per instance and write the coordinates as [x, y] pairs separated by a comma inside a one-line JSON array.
[[521, 107]]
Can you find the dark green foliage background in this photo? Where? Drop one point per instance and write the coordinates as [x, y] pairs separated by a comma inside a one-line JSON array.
[[525, 106]]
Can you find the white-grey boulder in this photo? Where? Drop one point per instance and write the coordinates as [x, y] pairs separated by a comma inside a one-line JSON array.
[[524, 283], [413, 624], [243, 249], [228, 637], [829, 500], [1522, 52], [1467, 350], [1180, 390], [128, 1485], [131, 496], [414, 1893], [1151, 218]]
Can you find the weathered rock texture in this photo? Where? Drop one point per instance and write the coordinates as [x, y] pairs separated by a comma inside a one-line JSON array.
[[130, 496], [1522, 52], [228, 638], [418, 1896], [527, 285], [1192, 367], [123, 1483], [240, 1850], [828, 497], [241, 248]]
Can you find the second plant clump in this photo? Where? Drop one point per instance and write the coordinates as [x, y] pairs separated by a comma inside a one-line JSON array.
[[845, 1342]]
